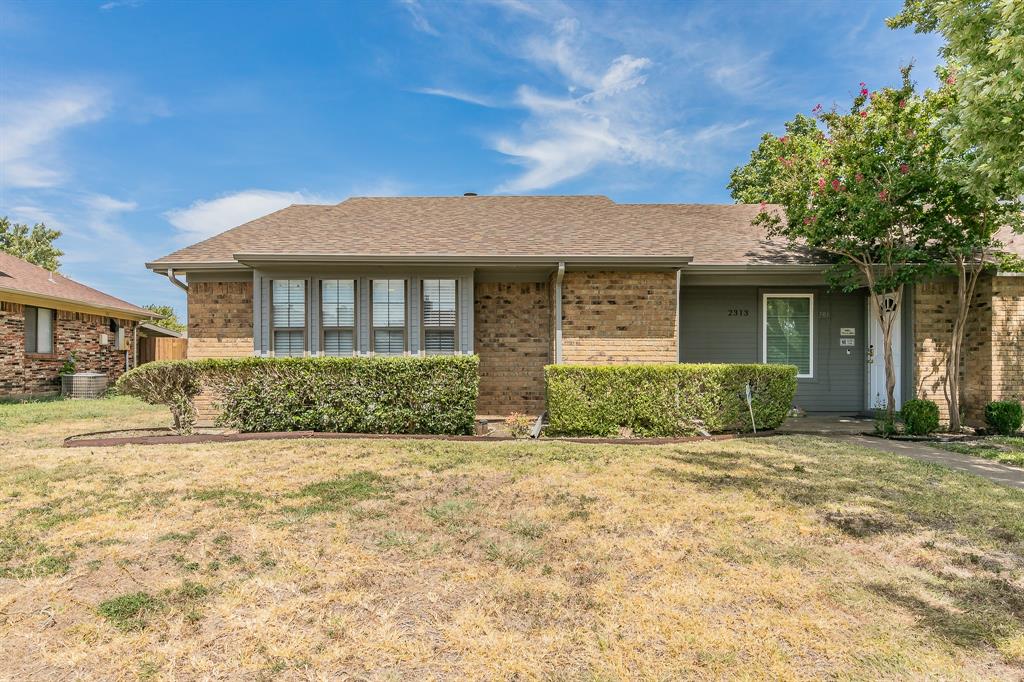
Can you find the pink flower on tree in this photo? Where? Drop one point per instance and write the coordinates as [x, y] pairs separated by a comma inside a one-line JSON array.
[[863, 114], [821, 183], [864, 92], [816, 109], [836, 185], [903, 104], [884, 195], [859, 177], [950, 79], [904, 168], [825, 162]]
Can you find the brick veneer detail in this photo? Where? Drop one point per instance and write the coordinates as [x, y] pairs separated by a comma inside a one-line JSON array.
[[25, 375]]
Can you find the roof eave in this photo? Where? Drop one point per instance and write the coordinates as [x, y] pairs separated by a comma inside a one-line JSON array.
[[133, 314], [255, 259]]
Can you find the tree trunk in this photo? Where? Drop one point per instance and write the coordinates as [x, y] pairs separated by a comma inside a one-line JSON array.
[[966, 285], [886, 318]]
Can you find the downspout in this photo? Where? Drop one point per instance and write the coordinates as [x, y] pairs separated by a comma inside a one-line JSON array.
[[558, 312], [175, 281], [135, 345], [679, 315]]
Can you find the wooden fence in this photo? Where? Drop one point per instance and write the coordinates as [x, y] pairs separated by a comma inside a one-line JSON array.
[[161, 348]]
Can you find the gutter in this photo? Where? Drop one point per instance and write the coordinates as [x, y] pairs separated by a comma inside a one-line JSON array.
[[175, 281], [558, 312], [102, 309]]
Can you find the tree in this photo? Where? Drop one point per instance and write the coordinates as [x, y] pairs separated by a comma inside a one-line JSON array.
[[960, 229], [168, 319], [850, 186], [985, 52], [35, 245]]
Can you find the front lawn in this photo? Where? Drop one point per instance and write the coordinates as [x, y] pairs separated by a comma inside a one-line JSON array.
[[786, 557], [1004, 449]]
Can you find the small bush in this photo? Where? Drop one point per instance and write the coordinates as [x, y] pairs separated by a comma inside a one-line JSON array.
[[921, 417], [518, 425], [129, 611], [174, 383], [666, 399], [1004, 416]]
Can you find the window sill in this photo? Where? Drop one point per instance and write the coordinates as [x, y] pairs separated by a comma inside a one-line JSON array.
[[43, 356]]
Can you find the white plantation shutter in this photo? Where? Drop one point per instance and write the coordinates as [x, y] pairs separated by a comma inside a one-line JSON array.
[[338, 316], [789, 331], [388, 314], [439, 316], [288, 316]]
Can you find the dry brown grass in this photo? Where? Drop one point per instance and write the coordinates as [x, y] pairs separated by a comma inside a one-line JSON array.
[[785, 558]]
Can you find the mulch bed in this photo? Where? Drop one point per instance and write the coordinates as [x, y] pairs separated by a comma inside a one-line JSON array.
[[107, 439]]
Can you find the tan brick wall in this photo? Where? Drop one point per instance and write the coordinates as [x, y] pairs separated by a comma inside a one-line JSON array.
[[619, 317], [993, 363], [1008, 338], [220, 319], [512, 336]]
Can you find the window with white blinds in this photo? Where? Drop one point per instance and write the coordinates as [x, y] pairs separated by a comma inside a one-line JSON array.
[[439, 316], [338, 316], [388, 316], [288, 316]]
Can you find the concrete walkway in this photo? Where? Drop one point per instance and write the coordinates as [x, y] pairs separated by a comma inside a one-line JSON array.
[[850, 429]]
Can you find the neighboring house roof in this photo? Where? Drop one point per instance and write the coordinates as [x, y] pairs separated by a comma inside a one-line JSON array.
[[150, 329], [20, 279], [500, 228]]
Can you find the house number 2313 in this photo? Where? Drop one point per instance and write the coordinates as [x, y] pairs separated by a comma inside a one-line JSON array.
[[739, 312]]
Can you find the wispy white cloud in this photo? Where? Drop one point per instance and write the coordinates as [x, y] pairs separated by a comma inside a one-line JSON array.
[[419, 17], [114, 4], [207, 217], [30, 130], [456, 95]]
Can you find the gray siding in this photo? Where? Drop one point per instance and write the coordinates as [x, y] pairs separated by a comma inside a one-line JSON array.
[[724, 324]]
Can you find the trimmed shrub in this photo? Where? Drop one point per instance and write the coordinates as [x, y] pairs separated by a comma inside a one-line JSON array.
[[173, 383], [921, 417], [654, 400], [1004, 416], [434, 394]]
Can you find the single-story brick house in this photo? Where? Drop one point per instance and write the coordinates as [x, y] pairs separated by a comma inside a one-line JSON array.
[[528, 281], [44, 317]]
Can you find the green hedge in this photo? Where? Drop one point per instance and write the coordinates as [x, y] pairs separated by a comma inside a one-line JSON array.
[[665, 399], [921, 417], [435, 394], [1004, 416]]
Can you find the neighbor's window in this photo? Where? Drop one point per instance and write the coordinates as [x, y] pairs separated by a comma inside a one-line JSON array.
[[338, 313], [288, 316], [439, 316], [39, 329], [388, 315], [789, 331]]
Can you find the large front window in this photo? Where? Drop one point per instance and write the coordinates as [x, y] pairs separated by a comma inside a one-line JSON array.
[[388, 316], [288, 316], [789, 331], [439, 316], [338, 316]]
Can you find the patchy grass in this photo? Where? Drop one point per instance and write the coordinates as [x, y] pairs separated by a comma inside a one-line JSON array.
[[1003, 449], [785, 557]]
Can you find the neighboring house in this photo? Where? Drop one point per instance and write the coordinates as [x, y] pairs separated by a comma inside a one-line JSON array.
[[528, 281], [45, 317]]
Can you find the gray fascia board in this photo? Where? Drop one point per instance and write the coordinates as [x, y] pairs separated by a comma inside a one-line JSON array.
[[183, 266], [480, 260], [757, 268]]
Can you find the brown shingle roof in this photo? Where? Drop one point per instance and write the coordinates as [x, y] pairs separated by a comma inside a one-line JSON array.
[[19, 276], [502, 227], [499, 226]]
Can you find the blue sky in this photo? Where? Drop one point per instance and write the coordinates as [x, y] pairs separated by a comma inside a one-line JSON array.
[[138, 127]]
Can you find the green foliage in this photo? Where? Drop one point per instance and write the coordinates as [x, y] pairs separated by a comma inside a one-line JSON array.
[[70, 364], [434, 394], [174, 383], [129, 611], [921, 417], [885, 423], [168, 318], [35, 245], [665, 399], [1004, 416], [985, 52]]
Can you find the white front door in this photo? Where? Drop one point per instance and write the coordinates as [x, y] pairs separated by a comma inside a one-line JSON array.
[[877, 394]]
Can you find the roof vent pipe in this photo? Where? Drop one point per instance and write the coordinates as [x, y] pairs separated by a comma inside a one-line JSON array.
[[469, 194]]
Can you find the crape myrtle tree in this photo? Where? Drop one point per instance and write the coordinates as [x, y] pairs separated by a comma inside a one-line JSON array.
[[851, 184], [960, 225], [34, 245]]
